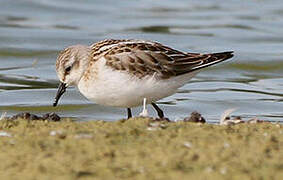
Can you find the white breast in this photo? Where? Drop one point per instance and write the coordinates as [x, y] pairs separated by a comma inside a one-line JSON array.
[[115, 88]]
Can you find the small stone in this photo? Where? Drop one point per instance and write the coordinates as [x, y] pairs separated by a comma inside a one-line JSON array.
[[228, 122], [227, 118], [232, 122], [51, 117], [254, 120], [237, 118], [238, 121], [33, 117], [25, 115], [29, 116], [45, 116]]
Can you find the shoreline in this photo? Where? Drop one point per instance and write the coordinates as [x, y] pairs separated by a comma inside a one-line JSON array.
[[139, 148]]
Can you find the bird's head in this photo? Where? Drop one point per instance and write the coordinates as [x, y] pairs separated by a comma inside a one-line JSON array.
[[70, 67]]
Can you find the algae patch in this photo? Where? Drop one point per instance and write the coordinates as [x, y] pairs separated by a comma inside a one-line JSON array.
[[139, 148]]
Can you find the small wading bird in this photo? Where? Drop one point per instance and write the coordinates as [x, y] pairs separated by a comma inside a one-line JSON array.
[[121, 73]]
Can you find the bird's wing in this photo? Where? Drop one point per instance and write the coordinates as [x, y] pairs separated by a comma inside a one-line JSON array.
[[142, 58]]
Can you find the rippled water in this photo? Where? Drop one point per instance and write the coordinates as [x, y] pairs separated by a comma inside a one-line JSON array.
[[32, 32]]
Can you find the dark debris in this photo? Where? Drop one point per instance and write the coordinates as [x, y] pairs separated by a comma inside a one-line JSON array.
[[33, 117], [195, 117], [238, 120], [162, 119]]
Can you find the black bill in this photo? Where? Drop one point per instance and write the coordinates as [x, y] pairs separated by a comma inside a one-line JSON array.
[[61, 89]]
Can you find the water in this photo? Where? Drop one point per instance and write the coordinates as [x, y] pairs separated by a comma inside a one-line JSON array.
[[32, 32]]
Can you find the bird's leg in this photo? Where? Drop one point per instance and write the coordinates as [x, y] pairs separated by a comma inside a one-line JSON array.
[[129, 113], [144, 112], [159, 111]]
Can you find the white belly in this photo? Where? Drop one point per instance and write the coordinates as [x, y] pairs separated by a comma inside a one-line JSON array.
[[113, 88]]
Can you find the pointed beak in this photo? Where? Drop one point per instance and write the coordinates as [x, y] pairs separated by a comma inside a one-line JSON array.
[[61, 89]]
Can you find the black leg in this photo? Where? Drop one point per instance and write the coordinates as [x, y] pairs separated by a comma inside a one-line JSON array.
[[129, 113], [159, 111]]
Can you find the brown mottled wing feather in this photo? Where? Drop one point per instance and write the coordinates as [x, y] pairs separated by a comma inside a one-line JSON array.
[[143, 59], [100, 44]]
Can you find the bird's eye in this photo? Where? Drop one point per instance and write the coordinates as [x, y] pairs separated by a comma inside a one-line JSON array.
[[68, 69]]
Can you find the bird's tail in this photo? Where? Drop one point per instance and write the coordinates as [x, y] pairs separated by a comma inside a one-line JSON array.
[[214, 58]]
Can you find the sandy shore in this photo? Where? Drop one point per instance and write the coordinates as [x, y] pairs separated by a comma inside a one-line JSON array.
[[139, 149]]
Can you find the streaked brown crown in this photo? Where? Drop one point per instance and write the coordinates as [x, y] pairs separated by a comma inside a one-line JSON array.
[[73, 59]]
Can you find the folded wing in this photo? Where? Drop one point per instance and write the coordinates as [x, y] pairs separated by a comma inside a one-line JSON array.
[[147, 58]]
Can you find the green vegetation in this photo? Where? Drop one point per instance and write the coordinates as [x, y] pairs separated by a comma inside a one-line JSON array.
[[139, 149]]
